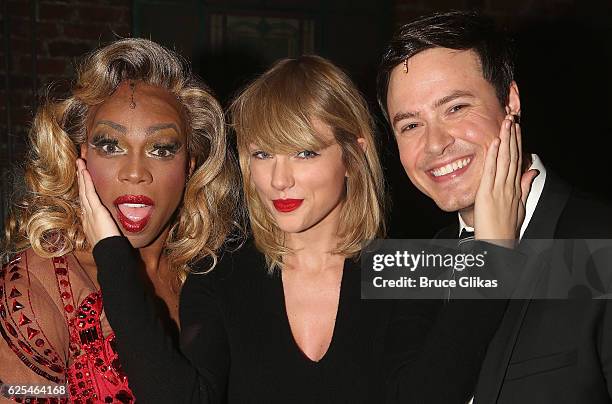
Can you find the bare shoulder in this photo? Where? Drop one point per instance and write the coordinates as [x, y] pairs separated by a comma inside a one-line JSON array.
[[30, 282]]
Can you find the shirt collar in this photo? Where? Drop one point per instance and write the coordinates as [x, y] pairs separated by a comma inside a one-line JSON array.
[[532, 199]]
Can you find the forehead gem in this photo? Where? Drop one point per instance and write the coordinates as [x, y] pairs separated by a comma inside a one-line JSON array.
[[405, 65]]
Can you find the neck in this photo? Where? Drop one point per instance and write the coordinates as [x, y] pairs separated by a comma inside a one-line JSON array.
[[152, 255], [311, 248]]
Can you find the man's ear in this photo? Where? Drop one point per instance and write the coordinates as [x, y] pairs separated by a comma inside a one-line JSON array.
[[514, 100]]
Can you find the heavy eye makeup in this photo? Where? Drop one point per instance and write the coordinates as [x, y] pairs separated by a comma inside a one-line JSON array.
[[164, 150], [105, 145], [108, 146]]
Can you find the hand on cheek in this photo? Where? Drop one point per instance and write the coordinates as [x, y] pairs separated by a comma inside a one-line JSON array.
[[96, 219]]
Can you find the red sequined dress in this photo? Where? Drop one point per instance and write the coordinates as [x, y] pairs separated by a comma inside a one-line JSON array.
[[55, 332]]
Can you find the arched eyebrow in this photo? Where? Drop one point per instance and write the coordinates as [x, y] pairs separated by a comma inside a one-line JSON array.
[[114, 125], [161, 126]]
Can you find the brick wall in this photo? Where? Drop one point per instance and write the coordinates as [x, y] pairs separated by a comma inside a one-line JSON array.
[[44, 39]]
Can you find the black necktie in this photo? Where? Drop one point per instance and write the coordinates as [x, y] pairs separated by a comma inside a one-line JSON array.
[[465, 238]]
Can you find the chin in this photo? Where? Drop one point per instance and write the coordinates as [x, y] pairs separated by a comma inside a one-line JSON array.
[[455, 204], [290, 226], [138, 240]]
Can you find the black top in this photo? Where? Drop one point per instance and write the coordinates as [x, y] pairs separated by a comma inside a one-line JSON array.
[[237, 314], [238, 345]]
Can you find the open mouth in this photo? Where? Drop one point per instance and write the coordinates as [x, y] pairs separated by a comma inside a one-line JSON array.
[[134, 211], [287, 205], [451, 170]]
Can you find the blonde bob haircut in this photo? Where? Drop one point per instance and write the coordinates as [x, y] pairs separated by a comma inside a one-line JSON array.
[[276, 113], [46, 217]]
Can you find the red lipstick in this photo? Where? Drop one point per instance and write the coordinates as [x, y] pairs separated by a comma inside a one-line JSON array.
[[134, 211], [287, 205]]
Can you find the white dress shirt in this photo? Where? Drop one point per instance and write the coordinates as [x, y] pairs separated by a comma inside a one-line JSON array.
[[532, 201]]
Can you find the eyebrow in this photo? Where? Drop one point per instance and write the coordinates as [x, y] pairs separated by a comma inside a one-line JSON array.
[[161, 126], [114, 125], [400, 116], [451, 97], [444, 100], [150, 130]]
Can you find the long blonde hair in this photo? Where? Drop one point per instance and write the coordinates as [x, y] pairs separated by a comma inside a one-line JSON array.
[[46, 217], [276, 112]]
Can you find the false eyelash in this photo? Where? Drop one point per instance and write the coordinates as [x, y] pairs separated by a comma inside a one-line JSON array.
[[102, 139], [171, 147]]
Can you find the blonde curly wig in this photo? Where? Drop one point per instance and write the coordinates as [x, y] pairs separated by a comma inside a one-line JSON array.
[[46, 216]]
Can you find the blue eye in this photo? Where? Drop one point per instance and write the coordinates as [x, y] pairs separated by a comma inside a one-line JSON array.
[[306, 154], [260, 154]]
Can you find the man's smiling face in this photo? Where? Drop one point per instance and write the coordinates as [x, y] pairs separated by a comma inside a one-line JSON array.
[[444, 115]]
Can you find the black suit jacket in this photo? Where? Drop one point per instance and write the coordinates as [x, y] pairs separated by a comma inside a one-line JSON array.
[[553, 351]]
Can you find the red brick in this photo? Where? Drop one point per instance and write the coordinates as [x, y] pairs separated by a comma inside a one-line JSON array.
[[18, 8], [67, 48], [20, 46], [21, 116], [80, 31], [21, 98], [47, 30], [55, 67], [122, 30], [18, 81], [102, 14], [20, 28], [24, 63], [55, 12]]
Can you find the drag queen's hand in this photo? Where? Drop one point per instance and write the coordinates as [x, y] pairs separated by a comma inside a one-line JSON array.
[[96, 219], [499, 208]]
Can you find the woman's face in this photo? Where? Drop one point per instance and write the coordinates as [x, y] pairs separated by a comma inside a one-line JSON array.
[[303, 189], [136, 153]]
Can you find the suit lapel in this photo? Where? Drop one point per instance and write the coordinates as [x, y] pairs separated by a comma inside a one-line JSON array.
[[449, 232], [542, 225]]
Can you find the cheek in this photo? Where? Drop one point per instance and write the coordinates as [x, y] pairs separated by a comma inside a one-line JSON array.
[[480, 130], [328, 182], [170, 179], [409, 153], [103, 174], [260, 178]]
